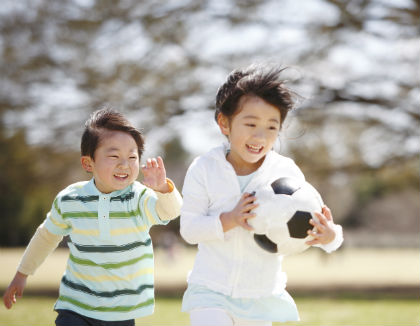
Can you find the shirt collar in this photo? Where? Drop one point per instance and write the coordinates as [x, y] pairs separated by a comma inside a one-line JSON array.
[[91, 187]]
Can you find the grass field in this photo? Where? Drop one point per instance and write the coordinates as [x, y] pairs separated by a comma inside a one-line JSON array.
[[313, 311], [349, 287]]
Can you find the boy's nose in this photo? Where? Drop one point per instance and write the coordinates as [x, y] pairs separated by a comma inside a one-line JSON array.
[[123, 162]]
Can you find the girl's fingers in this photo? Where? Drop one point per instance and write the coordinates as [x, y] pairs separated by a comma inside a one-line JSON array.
[[327, 212], [245, 225], [248, 208], [323, 220]]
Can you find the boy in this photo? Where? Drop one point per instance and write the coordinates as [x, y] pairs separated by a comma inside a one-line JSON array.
[[109, 275]]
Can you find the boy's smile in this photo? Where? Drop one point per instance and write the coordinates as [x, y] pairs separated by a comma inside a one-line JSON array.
[[252, 132], [116, 162]]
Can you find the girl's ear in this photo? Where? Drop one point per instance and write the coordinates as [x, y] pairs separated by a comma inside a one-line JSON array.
[[86, 162], [223, 123]]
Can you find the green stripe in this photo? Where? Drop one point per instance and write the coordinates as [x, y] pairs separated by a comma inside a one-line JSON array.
[[142, 193], [123, 214], [87, 262], [56, 206], [80, 215], [106, 309]]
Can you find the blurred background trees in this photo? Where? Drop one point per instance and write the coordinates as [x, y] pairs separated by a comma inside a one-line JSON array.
[[355, 65]]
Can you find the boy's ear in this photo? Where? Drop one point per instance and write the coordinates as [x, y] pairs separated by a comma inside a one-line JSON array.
[[223, 123], [86, 162]]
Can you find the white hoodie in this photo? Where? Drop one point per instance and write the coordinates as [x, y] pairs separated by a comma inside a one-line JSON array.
[[231, 263]]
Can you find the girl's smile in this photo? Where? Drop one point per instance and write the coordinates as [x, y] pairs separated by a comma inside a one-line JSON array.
[[255, 149]]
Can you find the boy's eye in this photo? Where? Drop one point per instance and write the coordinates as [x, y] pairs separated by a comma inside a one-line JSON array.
[[113, 156], [250, 125], [133, 157]]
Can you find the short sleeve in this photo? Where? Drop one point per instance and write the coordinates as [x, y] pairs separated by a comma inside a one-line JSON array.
[[55, 223], [147, 208]]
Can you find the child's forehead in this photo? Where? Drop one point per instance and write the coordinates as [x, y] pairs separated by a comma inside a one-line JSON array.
[[115, 137], [248, 103]]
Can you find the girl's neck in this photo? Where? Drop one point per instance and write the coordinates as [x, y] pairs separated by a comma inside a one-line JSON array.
[[241, 167]]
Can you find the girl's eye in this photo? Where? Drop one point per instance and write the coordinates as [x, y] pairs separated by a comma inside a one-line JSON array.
[[250, 125], [113, 156], [133, 157]]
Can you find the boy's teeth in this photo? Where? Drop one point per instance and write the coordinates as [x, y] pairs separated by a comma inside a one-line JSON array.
[[254, 148]]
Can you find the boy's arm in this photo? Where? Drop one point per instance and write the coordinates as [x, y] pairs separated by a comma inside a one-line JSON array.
[[41, 245], [168, 205]]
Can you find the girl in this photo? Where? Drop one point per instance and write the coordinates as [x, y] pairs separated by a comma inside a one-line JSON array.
[[233, 281]]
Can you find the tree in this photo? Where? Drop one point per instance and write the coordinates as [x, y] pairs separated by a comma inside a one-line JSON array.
[[354, 64]]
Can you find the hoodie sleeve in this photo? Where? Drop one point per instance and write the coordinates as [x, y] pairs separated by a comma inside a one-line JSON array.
[[196, 224], [336, 243]]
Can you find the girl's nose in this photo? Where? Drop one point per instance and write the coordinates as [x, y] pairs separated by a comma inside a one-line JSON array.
[[259, 133]]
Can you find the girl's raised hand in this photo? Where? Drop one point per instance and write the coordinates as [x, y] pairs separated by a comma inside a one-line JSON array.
[[155, 175]]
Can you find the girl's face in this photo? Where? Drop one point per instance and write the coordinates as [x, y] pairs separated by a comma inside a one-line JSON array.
[[116, 162], [252, 132]]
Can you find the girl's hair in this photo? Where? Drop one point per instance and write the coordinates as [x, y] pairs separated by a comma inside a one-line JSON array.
[[107, 119], [256, 80]]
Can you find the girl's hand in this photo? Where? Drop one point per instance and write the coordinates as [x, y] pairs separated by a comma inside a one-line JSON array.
[[15, 289], [324, 228], [155, 175], [240, 214]]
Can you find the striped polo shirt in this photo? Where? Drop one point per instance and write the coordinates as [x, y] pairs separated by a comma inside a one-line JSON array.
[[109, 274]]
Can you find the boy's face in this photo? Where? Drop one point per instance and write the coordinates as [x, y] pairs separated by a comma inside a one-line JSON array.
[[116, 162], [252, 132]]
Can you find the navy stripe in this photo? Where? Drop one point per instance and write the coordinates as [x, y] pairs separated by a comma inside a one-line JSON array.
[[108, 248], [105, 294], [83, 199], [123, 198]]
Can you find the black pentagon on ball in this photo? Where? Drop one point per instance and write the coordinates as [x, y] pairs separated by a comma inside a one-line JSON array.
[[285, 186], [265, 243], [299, 225]]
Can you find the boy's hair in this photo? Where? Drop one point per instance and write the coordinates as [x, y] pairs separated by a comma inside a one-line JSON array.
[[107, 119], [256, 80]]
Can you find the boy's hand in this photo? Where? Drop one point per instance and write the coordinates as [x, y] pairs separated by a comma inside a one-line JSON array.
[[240, 214], [324, 228], [155, 175], [15, 289]]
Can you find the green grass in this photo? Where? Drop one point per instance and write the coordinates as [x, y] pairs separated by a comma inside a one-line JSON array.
[[32, 311]]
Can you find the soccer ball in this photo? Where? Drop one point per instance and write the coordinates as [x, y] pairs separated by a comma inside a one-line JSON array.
[[282, 217]]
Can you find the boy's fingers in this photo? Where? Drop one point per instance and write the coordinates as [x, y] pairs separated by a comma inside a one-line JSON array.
[[9, 299], [160, 162], [19, 292]]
